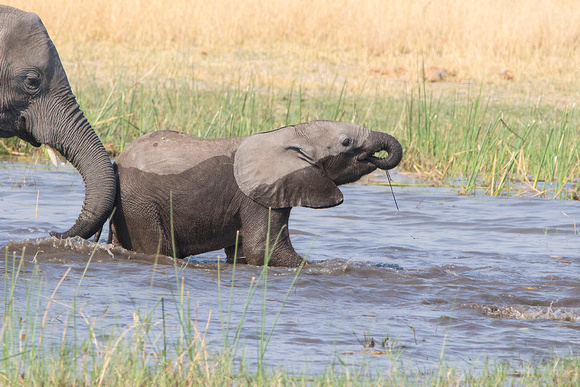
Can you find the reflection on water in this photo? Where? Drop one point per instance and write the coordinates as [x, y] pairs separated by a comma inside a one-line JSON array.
[[473, 276]]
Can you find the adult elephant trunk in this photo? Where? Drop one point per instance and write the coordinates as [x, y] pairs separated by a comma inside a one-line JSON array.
[[386, 142], [70, 133]]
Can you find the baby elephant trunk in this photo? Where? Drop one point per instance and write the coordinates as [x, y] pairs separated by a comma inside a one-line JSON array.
[[386, 142]]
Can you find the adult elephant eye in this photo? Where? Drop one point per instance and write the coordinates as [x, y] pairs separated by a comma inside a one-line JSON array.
[[32, 82], [346, 142]]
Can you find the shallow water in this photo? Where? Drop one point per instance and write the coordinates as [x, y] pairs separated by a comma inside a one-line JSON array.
[[463, 277]]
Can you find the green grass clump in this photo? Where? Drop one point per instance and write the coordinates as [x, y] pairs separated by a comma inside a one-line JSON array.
[[480, 145]]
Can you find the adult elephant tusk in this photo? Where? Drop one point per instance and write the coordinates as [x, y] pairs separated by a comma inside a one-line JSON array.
[[55, 157]]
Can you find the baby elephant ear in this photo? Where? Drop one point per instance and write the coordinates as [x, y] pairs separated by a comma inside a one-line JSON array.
[[276, 174]]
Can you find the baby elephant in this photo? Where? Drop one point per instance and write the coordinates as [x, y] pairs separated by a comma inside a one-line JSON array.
[[181, 195]]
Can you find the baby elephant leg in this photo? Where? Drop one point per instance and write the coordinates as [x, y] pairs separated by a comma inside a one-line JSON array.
[[266, 237], [235, 253]]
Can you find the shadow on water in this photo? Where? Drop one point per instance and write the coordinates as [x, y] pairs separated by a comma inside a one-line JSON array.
[[471, 277]]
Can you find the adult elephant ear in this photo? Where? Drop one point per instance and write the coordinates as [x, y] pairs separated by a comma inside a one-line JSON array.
[[278, 169]]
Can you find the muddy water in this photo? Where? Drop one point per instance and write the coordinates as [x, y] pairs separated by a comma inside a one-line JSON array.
[[463, 277]]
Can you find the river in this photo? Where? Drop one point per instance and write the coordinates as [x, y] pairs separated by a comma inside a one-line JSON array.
[[446, 278]]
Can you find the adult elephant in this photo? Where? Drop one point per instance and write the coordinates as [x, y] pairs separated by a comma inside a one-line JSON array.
[[38, 106], [181, 195]]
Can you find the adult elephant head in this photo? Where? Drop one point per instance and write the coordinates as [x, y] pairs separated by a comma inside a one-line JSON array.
[[38, 106]]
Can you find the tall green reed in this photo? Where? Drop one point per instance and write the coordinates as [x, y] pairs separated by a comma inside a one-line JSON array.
[[475, 145], [262, 282]]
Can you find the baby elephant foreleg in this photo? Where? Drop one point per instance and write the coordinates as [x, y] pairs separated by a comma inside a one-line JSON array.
[[266, 237]]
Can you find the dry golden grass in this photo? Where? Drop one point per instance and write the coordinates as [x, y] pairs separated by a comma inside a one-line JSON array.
[[285, 41]]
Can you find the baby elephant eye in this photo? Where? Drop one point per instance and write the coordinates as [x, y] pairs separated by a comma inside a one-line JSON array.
[[346, 142]]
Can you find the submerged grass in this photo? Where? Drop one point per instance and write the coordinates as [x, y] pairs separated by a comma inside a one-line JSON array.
[[46, 342]]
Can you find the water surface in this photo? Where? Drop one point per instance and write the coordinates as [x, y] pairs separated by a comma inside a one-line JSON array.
[[463, 277]]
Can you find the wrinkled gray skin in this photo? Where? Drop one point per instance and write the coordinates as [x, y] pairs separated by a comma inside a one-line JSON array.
[[217, 187], [38, 106]]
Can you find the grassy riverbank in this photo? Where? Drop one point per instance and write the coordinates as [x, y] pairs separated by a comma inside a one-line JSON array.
[[53, 340], [458, 136], [479, 96]]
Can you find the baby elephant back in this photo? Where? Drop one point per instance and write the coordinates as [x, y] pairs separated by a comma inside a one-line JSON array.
[[169, 153]]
